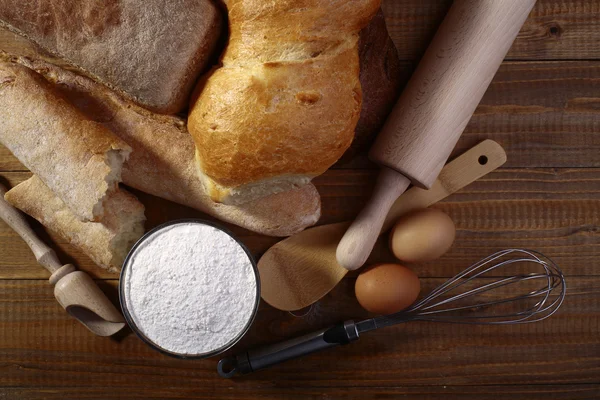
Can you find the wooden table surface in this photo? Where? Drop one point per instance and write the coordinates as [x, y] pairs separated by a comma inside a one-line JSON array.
[[543, 107]]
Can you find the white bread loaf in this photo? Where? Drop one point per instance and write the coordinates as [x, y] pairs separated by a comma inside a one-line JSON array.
[[79, 159], [151, 51], [283, 106]]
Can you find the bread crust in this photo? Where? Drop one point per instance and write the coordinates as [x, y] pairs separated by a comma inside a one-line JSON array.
[[106, 242], [79, 159], [381, 79], [151, 51], [287, 97], [162, 164]]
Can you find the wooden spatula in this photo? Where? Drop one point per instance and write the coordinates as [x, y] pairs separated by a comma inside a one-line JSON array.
[[301, 269], [434, 109], [75, 290]]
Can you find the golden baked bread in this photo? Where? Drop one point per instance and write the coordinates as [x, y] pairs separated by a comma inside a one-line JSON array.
[[283, 105], [161, 162]]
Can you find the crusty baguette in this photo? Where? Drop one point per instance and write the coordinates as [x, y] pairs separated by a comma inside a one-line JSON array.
[[162, 159], [79, 159], [283, 106], [152, 50], [106, 242]]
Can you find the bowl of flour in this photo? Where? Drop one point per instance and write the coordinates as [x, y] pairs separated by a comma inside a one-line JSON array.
[[189, 289]]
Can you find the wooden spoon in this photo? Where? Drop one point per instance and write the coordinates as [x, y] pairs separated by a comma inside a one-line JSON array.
[[301, 269], [434, 109], [75, 291]]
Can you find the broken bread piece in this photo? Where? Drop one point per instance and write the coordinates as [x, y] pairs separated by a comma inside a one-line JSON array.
[[77, 158], [106, 242], [162, 161]]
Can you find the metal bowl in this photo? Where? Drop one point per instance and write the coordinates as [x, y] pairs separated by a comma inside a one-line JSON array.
[[137, 330]]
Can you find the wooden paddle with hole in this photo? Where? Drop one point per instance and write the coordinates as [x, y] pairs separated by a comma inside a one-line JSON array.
[[75, 290], [301, 269], [434, 109]]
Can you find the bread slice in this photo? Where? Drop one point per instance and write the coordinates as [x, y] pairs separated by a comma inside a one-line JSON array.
[[283, 106], [151, 51], [106, 242], [79, 159], [162, 161]]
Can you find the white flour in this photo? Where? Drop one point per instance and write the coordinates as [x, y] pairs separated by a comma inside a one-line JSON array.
[[190, 288]]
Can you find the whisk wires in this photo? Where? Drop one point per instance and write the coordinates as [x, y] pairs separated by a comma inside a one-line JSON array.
[[497, 299]]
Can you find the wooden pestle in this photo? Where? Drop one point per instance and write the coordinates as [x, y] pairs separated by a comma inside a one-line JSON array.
[[434, 109], [75, 290]]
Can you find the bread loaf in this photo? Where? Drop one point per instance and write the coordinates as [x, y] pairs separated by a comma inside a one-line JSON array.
[[78, 159], [381, 79], [162, 159], [106, 242], [152, 51], [283, 106]]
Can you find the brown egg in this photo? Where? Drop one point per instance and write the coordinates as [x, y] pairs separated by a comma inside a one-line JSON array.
[[422, 235], [387, 288]]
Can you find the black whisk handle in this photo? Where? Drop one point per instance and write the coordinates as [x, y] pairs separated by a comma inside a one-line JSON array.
[[273, 354]]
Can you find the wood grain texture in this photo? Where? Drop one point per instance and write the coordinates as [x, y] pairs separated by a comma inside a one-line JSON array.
[[546, 114], [555, 30], [564, 349], [347, 392], [299, 270], [17, 221], [447, 86], [433, 110]]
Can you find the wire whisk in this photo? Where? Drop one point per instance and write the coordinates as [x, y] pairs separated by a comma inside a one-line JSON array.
[[512, 286], [516, 298]]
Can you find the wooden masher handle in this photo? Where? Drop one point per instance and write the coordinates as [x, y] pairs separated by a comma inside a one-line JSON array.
[[44, 255]]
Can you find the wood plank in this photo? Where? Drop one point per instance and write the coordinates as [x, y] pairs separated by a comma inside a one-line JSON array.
[[555, 30], [8, 162], [555, 211], [545, 114], [498, 392], [42, 346]]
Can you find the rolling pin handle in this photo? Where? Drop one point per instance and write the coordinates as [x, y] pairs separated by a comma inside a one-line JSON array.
[[358, 241], [436, 106]]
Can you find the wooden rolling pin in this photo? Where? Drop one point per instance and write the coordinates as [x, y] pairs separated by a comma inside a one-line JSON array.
[[75, 290], [434, 109]]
